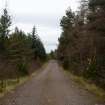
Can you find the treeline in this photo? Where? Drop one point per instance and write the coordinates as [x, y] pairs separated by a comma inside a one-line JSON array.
[[18, 50], [82, 43]]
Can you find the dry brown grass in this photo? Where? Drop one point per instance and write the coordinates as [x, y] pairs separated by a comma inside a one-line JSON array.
[[88, 86]]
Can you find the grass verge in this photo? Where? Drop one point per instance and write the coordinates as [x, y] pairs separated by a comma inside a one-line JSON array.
[[88, 86], [11, 84]]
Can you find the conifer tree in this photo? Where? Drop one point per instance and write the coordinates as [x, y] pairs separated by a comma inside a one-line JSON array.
[[5, 23]]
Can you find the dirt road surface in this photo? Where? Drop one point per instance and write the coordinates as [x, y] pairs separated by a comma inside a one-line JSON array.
[[50, 87]]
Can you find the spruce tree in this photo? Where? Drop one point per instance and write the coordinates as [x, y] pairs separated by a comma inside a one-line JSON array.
[[5, 23]]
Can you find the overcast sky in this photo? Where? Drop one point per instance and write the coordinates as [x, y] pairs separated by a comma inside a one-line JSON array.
[[44, 14]]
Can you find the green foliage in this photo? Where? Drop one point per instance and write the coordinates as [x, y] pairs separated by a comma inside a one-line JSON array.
[[2, 86], [22, 68], [52, 55], [5, 23], [18, 49], [91, 72], [37, 46], [66, 63], [82, 42], [93, 4], [23, 48]]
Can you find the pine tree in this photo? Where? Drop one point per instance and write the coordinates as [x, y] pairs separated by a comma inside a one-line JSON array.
[[37, 46], [5, 23]]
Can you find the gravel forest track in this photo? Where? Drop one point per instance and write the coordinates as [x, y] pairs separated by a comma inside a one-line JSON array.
[[51, 86]]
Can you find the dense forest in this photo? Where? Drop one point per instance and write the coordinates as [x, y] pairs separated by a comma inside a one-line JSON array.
[[82, 43], [19, 52]]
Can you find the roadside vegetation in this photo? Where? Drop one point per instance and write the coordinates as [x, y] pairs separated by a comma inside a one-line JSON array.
[[11, 84], [87, 85], [81, 47], [20, 53], [52, 55]]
